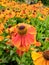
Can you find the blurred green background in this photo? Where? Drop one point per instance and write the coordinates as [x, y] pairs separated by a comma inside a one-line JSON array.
[[45, 2]]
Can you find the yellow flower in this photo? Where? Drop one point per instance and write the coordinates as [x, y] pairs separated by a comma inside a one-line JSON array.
[[1, 16], [4, 4], [41, 18], [40, 58], [28, 21]]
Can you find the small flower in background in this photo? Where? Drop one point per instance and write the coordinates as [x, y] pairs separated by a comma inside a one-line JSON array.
[[41, 18], [1, 26], [24, 37], [40, 58], [47, 39]]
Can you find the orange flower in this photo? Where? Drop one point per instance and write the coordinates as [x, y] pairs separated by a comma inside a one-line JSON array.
[[1, 26], [24, 37], [40, 58]]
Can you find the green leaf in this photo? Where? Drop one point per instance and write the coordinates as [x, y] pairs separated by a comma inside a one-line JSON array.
[[2, 7]]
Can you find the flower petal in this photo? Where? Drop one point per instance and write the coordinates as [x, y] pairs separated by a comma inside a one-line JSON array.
[[44, 62], [16, 41], [23, 41], [19, 52], [31, 38], [37, 44], [35, 55], [26, 41], [24, 44], [32, 30], [39, 61], [47, 62]]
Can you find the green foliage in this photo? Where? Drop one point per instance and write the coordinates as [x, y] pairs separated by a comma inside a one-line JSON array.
[[35, 1], [46, 2], [28, 1], [6, 52], [13, 21], [2, 7], [42, 28], [10, 22], [19, 0]]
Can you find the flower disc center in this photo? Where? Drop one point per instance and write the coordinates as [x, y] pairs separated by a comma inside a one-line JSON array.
[[22, 29], [46, 54]]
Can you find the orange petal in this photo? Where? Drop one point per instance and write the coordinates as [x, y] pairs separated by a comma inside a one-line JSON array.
[[16, 41], [27, 42], [32, 30], [31, 38], [24, 44], [37, 44], [44, 62], [39, 61], [47, 62], [23, 41], [19, 52]]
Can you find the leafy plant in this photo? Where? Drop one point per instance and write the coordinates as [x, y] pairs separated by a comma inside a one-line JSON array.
[[20, 0], [13, 21], [46, 2], [2, 7]]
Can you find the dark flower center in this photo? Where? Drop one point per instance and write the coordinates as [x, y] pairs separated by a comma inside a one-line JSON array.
[[21, 27], [22, 30], [46, 54]]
